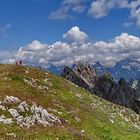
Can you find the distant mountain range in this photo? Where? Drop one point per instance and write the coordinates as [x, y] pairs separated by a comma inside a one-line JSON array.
[[128, 69]]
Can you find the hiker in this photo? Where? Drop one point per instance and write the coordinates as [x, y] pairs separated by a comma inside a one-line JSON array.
[[19, 62]]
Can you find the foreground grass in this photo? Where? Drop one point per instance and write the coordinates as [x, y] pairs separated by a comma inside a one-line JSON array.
[[84, 116]]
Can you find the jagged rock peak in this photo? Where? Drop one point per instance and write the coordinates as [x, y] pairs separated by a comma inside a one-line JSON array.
[[108, 75], [82, 74], [122, 81], [85, 69]]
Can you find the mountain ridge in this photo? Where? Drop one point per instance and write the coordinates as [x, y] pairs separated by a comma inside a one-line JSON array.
[[128, 69], [103, 86]]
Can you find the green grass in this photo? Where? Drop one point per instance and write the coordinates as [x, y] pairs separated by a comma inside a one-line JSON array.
[[68, 102]]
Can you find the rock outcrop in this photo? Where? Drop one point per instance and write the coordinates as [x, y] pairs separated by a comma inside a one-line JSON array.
[[104, 86], [118, 93], [135, 84], [25, 114], [72, 76], [11, 100], [82, 75]]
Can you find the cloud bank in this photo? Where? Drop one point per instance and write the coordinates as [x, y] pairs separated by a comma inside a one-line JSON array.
[[72, 50]]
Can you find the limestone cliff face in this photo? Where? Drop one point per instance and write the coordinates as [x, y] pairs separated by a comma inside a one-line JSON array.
[[104, 86], [74, 77]]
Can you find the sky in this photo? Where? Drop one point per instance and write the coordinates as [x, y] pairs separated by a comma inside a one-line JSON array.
[[60, 32]]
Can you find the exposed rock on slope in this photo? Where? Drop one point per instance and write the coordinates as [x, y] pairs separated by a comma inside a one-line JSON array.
[[103, 86], [25, 114]]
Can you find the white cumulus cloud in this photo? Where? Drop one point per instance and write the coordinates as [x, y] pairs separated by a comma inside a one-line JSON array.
[[100, 8], [35, 46], [75, 35]]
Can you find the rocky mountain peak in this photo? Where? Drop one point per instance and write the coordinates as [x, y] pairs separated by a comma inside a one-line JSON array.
[[122, 82], [104, 86], [107, 75], [87, 72]]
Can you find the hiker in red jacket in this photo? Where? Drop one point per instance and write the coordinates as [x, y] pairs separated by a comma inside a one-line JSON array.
[[19, 62]]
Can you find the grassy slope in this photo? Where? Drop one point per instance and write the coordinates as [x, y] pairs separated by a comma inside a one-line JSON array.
[[84, 116]]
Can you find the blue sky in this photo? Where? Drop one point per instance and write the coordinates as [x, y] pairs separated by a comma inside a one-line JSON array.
[[29, 20], [46, 21]]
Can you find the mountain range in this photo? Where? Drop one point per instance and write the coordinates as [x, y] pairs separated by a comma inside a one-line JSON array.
[[128, 69]]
